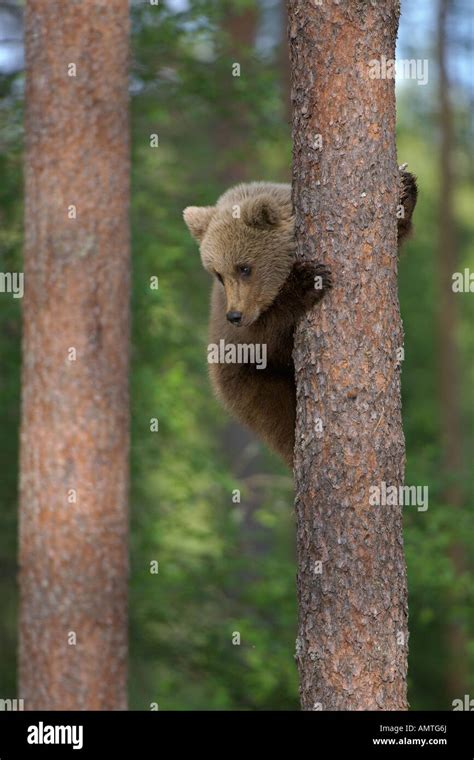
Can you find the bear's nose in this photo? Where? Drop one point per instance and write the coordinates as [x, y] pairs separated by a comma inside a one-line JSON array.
[[235, 317]]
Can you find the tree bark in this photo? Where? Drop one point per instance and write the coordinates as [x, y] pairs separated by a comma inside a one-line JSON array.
[[352, 637], [449, 387], [75, 416]]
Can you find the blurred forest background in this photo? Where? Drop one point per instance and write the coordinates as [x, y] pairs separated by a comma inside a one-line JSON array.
[[226, 566]]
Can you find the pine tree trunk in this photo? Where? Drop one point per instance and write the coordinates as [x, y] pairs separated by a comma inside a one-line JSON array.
[[75, 417], [284, 65], [352, 637], [234, 151]]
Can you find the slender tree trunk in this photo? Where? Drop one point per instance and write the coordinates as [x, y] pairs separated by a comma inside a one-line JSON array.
[[352, 638], [284, 66], [448, 354], [239, 26], [75, 418]]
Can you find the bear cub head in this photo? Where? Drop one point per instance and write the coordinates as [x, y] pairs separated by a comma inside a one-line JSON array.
[[247, 243]]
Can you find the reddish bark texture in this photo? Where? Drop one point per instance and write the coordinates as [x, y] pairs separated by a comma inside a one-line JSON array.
[[352, 638], [74, 434]]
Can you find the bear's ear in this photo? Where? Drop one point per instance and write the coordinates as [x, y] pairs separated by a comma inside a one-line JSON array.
[[261, 212], [197, 219]]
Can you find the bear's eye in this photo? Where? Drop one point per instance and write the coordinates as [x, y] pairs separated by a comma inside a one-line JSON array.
[[219, 277], [244, 270]]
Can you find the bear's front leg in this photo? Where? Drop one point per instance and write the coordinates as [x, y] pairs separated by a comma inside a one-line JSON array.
[[407, 203], [262, 400], [306, 285]]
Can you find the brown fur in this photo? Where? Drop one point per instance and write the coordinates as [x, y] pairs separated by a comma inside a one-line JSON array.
[[271, 299]]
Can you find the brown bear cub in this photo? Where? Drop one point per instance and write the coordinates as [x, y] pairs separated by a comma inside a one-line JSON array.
[[259, 293]]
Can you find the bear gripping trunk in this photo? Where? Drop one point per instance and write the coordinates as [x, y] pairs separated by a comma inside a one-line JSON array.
[[352, 633]]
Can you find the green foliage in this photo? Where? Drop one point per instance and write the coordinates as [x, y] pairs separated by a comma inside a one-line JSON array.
[[11, 218], [438, 596]]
